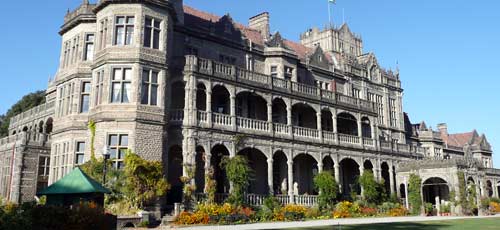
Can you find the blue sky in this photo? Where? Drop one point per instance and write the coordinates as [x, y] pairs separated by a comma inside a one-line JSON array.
[[447, 50]]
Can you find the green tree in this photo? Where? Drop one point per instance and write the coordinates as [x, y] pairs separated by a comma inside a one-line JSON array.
[[144, 180], [27, 102], [328, 189], [239, 174], [415, 194], [374, 192]]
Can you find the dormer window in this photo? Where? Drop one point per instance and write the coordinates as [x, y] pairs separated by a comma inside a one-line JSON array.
[[288, 73]]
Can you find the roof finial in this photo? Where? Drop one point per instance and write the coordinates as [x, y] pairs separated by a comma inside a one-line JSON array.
[[85, 2]]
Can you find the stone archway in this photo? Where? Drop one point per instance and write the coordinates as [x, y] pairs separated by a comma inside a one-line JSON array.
[[303, 115], [328, 164], [199, 175], [280, 173], [350, 173], [305, 167], [386, 176], [367, 165], [221, 100], [174, 174], [347, 124], [489, 188], [435, 187], [218, 152], [251, 105], [201, 97], [257, 161]]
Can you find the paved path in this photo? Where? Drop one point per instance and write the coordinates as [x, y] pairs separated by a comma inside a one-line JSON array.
[[319, 223]]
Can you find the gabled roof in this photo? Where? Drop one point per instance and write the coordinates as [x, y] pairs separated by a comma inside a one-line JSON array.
[[76, 182]]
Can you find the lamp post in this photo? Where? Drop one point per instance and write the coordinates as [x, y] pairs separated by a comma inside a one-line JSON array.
[[105, 154]]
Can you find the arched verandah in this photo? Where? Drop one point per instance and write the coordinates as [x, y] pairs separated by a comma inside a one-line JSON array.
[[305, 167], [349, 174], [199, 175], [347, 124], [258, 163], [435, 187], [303, 115], [280, 173], [251, 105], [221, 100], [218, 153], [201, 97], [279, 111]]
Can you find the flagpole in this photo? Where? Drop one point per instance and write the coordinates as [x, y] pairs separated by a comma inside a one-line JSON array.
[[329, 15]]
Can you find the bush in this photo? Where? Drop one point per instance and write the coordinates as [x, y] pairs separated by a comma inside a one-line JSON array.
[[238, 172], [414, 194], [328, 189], [428, 208], [374, 192], [400, 211], [386, 207], [367, 212], [346, 209], [494, 207], [293, 212]]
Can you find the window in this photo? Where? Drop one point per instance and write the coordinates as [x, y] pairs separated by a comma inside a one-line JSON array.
[[149, 92], [250, 63], [227, 60], [124, 30], [118, 145], [85, 97], [89, 47], [80, 153], [43, 166], [356, 93], [378, 100], [288, 73], [121, 85], [274, 71], [103, 32], [152, 33], [99, 87], [393, 112]]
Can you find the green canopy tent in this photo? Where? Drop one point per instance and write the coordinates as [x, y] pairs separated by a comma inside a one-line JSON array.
[[74, 188]]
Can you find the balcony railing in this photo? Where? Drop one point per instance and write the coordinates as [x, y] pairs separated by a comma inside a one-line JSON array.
[[260, 127], [230, 72]]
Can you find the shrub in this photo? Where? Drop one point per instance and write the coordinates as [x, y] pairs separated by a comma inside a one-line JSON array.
[[414, 194], [328, 189], [494, 207], [428, 208], [238, 172], [374, 192], [346, 209], [293, 212], [367, 211], [387, 206], [400, 211]]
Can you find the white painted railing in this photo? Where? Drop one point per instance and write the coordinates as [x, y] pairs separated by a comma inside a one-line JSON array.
[[223, 70], [252, 124], [221, 119], [283, 199], [348, 139], [306, 200], [280, 128], [177, 115], [202, 116], [305, 132]]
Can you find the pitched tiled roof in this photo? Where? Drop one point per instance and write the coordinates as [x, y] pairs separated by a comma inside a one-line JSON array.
[[460, 139], [202, 19]]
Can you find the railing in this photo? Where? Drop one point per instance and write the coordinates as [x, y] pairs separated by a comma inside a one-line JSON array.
[[283, 199], [177, 115], [280, 128], [305, 132], [252, 124], [234, 73], [35, 112], [304, 89], [403, 147], [253, 76], [368, 142], [202, 116], [329, 136], [255, 199], [221, 119], [305, 200], [386, 145], [348, 139]]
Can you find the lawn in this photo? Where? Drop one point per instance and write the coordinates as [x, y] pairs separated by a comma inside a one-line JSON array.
[[468, 224]]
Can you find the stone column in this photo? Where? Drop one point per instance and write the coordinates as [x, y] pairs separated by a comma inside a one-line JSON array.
[[391, 178], [318, 126], [208, 168], [361, 171], [233, 111], [270, 116], [290, 180], [495, 189], [270, 175], [289, 119], [336, 167], [360, 130], [334, 124], [320, 166], [209, 106]]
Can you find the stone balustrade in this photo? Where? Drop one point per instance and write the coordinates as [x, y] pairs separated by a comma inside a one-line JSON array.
[[264, 128], [238, 75], [37, 112]]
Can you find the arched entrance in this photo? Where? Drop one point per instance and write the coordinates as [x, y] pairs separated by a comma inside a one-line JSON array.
[[347, 124], [258, 163], [305, 168], [280, 173], [199, 175], [350, 173], [174, 174], [220, 100], [219, 152], [435, 187], [251, 105]]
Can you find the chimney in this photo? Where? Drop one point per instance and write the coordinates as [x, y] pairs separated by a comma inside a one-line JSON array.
[[260, 22], [443, 128]]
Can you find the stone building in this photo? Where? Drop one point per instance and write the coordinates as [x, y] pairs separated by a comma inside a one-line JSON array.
[[179, 85]]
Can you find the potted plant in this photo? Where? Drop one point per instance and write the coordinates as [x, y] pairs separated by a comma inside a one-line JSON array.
[[428, 209]]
